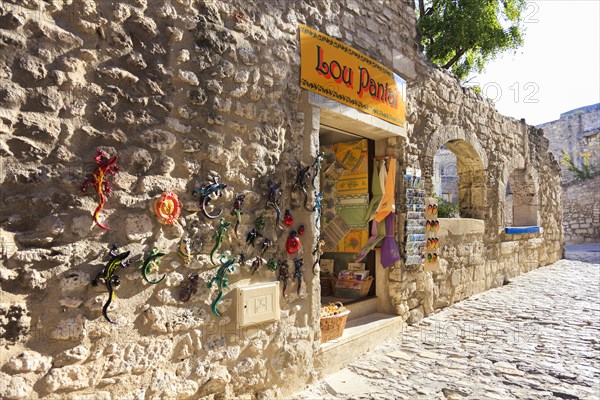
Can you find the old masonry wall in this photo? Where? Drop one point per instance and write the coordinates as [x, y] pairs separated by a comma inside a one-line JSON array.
[[178, 90]]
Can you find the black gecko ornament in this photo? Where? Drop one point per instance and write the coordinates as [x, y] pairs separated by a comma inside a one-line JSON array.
[[110, 278], [274, 201], [302, 174], [298, 273]]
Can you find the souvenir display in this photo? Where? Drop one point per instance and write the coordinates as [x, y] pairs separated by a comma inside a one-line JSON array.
[[221, 281], [209, 191], [272, 264], [284, 276], [153, 260], [260, 222], [415, 217], [317, 253], [106, 166], [237, 211], [266, 243], [189, 287], [318, 207], [432, 227], [185, 250], [167, 208], [252, 236], [344, 183], [301, 230], [292, 244], [219, 237], [288, 219], [298, 272], [316, 166], [110, 278], [302, 175], [256, 264], [274, 200]]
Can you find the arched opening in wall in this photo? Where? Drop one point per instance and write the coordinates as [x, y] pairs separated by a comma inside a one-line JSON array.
[[445, 176], [522, 200], [459, 178]]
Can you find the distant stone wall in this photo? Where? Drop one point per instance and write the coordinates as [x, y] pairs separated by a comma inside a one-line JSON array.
[[576, 132], [581, 211]]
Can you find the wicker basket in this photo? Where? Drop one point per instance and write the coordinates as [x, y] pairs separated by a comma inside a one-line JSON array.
[[333, 327], [352, 289]]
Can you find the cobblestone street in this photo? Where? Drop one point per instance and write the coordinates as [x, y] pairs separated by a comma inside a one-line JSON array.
[[537, 337]]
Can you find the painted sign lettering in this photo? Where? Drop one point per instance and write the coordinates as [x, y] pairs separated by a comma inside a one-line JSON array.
[[335, 70]]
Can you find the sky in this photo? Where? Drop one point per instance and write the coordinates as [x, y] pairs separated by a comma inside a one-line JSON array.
[[558, 67]]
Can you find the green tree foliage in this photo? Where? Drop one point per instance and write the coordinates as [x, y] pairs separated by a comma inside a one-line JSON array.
[[463, 35], [586, 171], [447, 209]]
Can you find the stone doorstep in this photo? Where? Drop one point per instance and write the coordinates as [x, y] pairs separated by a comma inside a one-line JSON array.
[[360, 335]]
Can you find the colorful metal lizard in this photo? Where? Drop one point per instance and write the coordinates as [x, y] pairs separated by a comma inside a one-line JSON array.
[[151, 261], [106, 166], [109, 277], [317, 253], [256, 264], [298, 273], [272, 264], [260, 222], [209, 191], [274, 201], [185, 250], [265, 245], [318, 207], [190, 287], [252, 236], [316, 166], [221, 281], [219, 237], [284, 276], [237, 211], [302, 175]]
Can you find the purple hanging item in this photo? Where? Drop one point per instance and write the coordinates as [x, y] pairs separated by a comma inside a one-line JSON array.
[[389, 249], [373, 241]]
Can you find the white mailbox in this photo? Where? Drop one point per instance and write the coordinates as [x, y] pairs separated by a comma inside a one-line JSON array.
[[258, 303]]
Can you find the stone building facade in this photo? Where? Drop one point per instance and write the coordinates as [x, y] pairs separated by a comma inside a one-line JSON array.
[[578, 132], [445, 175], [183, 89]]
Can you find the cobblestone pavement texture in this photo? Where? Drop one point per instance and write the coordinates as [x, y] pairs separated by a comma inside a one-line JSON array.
[[537, 337]]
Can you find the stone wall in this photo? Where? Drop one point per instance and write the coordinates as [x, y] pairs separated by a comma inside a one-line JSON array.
[[581, 211], [180, 90], [576, 132]]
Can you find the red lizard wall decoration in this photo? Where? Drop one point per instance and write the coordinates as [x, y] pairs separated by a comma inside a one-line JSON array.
[[106, 166]]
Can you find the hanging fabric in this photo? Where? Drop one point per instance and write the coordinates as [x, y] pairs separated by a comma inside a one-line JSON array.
[[387, 205], [377, 235], [377, 192], [389, 249]]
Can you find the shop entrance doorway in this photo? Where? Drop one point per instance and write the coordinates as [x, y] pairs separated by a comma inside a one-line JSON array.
[[346, 185]]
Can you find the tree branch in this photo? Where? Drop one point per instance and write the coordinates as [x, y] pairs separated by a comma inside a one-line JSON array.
[[421, 8], [454, 59]]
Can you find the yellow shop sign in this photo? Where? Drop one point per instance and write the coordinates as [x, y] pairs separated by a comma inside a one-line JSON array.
[[335, 70]]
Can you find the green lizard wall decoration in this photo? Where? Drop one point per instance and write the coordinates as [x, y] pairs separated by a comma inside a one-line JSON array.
[[151, 261]]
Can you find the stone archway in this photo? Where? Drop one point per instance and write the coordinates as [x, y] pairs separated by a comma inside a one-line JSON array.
[[471, 179], [471, 163]]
